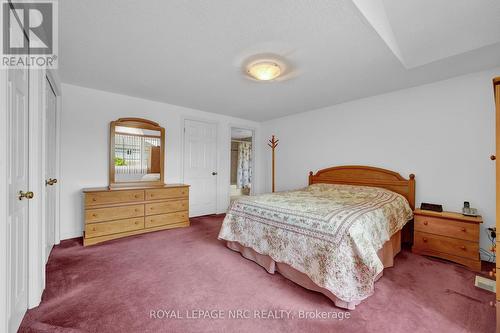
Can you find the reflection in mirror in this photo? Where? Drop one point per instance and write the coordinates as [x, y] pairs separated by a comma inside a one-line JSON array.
[[137, 154]]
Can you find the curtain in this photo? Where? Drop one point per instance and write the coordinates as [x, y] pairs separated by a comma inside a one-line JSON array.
[[244, 175]]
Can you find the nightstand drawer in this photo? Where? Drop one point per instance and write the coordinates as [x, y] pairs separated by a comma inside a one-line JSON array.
[[447, 227], [425, 242]]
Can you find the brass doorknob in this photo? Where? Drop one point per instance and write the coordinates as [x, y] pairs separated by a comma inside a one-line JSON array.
[[51, 181], [493, 157], [28, 195]]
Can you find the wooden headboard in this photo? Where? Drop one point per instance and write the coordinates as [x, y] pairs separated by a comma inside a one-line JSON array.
[[367, 176]]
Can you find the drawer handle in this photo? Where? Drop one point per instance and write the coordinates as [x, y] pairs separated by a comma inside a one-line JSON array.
[[93, 229], [136, 222], [94, 199], [426, 223], [464, 230], [94, 215], [136, 210], [463, 247], [424, 239], [152, 195]]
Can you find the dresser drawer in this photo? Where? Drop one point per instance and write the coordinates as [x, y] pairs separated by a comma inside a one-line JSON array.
[[167, 193], [164, 219], [446, 227], [166, 207], [428, 242], [113, 213], [113, 197], [113, 227]]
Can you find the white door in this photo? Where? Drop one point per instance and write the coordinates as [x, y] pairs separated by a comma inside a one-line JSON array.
[[17, 220], [200, 166], [50, 168]]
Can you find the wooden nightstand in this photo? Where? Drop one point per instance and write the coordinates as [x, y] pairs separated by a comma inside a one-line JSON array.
[[447, 235]]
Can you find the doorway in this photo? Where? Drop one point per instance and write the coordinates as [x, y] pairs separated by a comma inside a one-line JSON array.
[[241, 163]]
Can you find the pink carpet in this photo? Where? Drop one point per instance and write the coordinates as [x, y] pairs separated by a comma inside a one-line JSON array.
[[115, 286]]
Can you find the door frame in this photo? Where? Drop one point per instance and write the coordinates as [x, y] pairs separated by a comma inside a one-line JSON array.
[[183, 136], [3, 202], [254, 157]]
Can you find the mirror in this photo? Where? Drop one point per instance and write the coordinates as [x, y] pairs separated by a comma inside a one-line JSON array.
[[137, 148]]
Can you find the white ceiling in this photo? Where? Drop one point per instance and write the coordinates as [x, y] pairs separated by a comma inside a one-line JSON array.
[[430, 30], [190, 53]]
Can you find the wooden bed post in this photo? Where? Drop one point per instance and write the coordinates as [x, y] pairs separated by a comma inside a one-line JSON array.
[[411, 191], [273, 143]]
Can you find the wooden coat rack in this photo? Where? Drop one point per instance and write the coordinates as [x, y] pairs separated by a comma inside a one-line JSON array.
[[273, 143]]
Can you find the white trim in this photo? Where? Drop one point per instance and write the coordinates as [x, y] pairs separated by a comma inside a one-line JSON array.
[[3, 202], [254, 156], [183, 135]]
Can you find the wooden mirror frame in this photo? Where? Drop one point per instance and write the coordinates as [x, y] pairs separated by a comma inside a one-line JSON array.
[[135, 123]]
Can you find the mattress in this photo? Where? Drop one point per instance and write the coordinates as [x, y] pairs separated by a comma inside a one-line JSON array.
[[331, 234]]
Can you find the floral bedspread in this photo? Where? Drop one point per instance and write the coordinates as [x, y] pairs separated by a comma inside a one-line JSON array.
[[329, 232]]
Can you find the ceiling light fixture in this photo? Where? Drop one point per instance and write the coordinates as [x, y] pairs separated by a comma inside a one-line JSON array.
[[264, 70]]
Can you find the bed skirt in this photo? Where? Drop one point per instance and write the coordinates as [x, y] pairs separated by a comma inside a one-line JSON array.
[[386, 254]]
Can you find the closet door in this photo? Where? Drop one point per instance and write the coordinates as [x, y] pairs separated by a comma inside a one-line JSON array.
[[19, 195], [50, 168]]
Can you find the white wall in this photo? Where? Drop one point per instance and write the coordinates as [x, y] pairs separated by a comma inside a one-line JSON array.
[[442, 132], [85, 139]]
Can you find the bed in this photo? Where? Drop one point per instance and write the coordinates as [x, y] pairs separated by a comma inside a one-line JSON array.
[[335, 236]]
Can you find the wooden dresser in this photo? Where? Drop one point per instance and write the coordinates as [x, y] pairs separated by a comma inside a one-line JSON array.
[[451, 236], [117, 213]]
